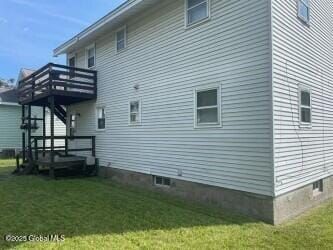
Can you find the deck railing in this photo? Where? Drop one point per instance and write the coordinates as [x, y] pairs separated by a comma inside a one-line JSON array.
[[58, 78], [65, 148]]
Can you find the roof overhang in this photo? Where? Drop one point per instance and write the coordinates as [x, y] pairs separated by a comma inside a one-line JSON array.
[[108, 22]]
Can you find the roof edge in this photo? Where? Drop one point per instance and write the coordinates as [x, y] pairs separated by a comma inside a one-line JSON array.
[[121, 9]]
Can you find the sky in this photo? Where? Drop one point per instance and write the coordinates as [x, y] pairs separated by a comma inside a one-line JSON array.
[[31, 29]]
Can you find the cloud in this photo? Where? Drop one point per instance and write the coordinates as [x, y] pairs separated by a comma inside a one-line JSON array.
[[46, 10]]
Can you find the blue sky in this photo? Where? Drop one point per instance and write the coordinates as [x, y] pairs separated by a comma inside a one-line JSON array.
[[31, 29]]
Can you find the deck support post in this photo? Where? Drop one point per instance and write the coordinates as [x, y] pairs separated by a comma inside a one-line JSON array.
[[29, 135], [23, 134], [51, 101], [44, 130]]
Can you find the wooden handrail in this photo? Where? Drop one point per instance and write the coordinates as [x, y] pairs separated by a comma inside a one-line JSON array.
[[57, 77]]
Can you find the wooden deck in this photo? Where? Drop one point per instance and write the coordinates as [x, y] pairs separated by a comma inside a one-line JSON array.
[[61, 162], [67, 85]]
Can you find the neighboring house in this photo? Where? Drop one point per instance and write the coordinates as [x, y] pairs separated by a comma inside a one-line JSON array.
[[10, 112], [226, 102]]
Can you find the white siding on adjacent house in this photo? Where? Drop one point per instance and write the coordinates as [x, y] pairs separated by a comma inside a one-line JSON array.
[[59, 129], [302, 56], [168, 62], [10, 122]]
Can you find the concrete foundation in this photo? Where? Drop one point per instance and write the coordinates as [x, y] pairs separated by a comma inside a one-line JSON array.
[[296, 202], [269, 209]]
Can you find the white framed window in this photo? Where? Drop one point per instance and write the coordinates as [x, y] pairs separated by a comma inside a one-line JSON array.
[[304, 10], [207, 107], [91, 56], [197, 11], [135, 112], [121, 38], [72, 124], [100, 118], [72, 63], [305, 109], [162, 181], [318, 187]]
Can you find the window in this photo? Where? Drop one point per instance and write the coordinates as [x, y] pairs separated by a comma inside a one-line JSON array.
[[135, 112], [318, 187], [305, 106], [100, 118], [72, 124], [304, 10], [207, 107], [91, 56], [71, 63], [162, 181], [121, 39], [196, 11]]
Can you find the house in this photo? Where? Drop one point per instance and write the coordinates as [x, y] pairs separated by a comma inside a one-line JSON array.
[[10, 112], [223, 102]]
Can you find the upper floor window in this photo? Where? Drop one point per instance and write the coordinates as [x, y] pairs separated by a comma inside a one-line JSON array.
[[121, 39], [304, 10], [135, 116], [207, 107], [72, 63], [196, 11], [305, 106], [100, 118], [91, 56]]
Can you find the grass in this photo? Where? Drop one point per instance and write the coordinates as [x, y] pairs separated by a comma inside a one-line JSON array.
[[97, 214]]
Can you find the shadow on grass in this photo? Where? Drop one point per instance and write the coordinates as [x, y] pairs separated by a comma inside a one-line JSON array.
[[81, 207]]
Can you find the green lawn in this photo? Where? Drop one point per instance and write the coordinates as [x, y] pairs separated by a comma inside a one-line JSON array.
[[97, 214]]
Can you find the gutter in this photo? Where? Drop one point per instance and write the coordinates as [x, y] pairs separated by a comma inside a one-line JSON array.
[[123, 8]]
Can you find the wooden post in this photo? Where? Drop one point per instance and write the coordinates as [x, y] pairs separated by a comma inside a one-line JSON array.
[[29, 134], [66, 145], [93, 142], [23, 134], [51, 101], [44, 130], [36, 149]]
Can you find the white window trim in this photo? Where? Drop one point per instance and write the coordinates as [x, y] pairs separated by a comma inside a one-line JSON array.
[[70, 122], [96, 118], [161, 185], [219, 110], [320, 189], [86, 55], [307, 21], [191, 25], [304, 124], [70, 56], [125, 39], [138, 123]]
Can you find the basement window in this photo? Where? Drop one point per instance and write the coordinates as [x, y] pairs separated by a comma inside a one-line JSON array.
[[305, 106], [100, 118], [162, 181], [196, 11], [318, 187], [121, 38], [304, 10]]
